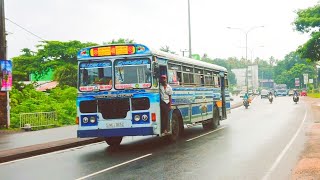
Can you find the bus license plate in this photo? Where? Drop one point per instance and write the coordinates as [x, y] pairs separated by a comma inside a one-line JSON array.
[[115, 125]]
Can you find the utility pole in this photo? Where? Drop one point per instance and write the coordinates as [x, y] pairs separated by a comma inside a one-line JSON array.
[[4, 96], [190, 53]]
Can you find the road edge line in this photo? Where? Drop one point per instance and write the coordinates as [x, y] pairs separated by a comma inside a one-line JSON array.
[[283, 152]]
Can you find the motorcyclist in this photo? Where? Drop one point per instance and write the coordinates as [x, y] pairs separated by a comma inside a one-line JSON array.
[[246, 100], [246, 96], [295, 96]]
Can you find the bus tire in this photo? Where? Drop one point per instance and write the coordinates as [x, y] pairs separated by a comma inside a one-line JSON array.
[[216, 118], [176, 128], [113, 141], [212, 123]]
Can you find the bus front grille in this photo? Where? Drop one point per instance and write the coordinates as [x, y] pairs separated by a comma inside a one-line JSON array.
[[114, 108]]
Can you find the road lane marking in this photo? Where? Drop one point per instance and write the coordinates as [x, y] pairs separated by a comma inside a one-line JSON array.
[[275, 164], [107, 169], [205, 134], [55, 152]]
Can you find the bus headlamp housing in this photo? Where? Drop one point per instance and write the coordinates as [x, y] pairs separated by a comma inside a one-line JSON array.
[[85, 120], [141, 118], [89, 120], [92, 119], [137, 117]]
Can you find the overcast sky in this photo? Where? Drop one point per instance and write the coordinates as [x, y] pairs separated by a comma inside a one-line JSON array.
[[157, 23]]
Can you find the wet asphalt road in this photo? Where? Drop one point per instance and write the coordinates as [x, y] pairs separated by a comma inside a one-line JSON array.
[[246, 146]]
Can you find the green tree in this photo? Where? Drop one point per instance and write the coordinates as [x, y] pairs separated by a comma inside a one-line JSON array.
[[308, 21], [50, 55]]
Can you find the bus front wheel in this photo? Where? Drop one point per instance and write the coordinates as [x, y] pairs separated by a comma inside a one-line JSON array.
[[176, 128], [113, 141]]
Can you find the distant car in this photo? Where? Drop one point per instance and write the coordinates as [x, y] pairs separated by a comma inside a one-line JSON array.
[[264, 93], [290, 93], [303, 93], [281, 92]]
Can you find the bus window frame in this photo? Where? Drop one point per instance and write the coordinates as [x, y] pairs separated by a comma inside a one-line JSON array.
[[93, 61], [132, 58]]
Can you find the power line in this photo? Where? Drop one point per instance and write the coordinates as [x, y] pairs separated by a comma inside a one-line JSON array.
[[25, 29]]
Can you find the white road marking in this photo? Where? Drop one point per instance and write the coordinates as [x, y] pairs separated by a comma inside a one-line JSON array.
[[107, 169], [275, 164], [205, 134], [46, 154]]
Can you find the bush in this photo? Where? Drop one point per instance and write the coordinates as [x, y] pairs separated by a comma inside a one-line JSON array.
[[28, 100]]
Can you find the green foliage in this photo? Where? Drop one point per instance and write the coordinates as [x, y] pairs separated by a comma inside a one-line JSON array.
[[56, 55], [28, 100], [311, 49], [308, 20], [66, 75]]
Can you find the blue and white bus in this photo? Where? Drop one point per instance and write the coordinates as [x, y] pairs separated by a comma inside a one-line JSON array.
[[118, 92]]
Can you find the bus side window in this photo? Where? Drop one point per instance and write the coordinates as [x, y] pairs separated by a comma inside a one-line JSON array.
[[172, 77], [179, 76], [219, 81]]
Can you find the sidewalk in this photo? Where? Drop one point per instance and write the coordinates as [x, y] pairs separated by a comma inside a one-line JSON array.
[[308, 166], [26, 144]]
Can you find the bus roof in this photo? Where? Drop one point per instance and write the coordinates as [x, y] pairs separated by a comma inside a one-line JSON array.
[[111, 50], [186, 60]]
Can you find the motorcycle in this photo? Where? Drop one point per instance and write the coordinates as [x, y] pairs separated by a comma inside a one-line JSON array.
[[246, 103], [295, 99], [270, 99]]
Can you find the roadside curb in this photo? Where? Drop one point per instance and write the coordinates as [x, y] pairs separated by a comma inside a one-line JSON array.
[[34, 150]]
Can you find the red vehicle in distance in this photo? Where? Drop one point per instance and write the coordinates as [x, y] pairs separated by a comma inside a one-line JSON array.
[[303, 93]]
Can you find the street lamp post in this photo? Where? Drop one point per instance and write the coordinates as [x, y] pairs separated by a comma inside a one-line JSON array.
[[189, 24], [246, 33]]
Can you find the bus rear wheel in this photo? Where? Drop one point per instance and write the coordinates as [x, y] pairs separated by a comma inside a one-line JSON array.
[[212, 123], [113, 141]]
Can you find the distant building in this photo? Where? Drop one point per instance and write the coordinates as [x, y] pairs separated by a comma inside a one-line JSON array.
[[252, 76], [46, 77]]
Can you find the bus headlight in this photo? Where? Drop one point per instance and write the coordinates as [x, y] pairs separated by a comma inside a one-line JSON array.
[[85, 120], [92, 119], [137, 117], [144, 117]]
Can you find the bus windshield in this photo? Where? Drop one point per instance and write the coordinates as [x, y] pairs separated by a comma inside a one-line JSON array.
[[132, 73], [95, 76]]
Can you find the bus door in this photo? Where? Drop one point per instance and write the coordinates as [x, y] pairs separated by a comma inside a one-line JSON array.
[[223, 96]]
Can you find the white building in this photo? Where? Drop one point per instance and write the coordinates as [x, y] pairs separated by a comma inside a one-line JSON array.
[[240, 74]]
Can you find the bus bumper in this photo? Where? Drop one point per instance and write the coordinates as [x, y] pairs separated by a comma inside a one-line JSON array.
[[141, 131]]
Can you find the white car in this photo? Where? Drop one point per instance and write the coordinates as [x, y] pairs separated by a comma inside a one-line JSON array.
[[264, 93]]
